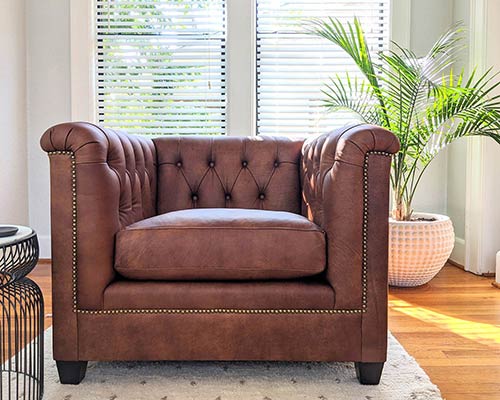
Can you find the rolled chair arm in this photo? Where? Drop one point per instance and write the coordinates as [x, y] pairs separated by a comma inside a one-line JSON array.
[[345, 183], [101, 181]]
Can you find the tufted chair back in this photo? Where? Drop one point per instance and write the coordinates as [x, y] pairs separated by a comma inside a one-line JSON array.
[[208, 171]]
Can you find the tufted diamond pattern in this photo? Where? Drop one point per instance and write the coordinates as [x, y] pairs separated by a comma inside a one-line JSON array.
[[324, 159], [104, 156], [205, 172]]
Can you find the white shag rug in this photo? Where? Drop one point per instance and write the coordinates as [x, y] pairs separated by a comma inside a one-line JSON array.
[[402, 379]]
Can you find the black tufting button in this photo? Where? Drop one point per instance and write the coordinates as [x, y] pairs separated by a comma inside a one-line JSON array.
[[244, 164], [262, 196], [194, 197], [228, 196], [179, 164], [211, 164], [276, 164]]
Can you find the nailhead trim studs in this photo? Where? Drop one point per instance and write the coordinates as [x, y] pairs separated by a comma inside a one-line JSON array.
[[364, 258], [74, 219], [364, 305], [218, 311]]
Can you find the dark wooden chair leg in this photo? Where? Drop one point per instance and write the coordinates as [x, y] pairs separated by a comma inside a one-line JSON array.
[[71, 372], [368, 373]]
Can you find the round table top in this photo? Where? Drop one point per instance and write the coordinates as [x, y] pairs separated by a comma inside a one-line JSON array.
[[22, 233]]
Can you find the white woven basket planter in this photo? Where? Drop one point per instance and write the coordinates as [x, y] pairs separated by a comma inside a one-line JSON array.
[[418, 249]]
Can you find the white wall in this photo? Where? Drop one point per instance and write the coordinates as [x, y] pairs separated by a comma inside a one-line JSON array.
[[13, 161], [483, 240], [491, 210], [457, 152], [429, 20], [490, 243], [455, 199], [49, 99]]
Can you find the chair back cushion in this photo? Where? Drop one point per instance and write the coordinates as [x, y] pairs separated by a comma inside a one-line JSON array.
[[228, 172]]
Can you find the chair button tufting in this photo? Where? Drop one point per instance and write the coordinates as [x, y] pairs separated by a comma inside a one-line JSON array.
[[194, 197], [276, 164], [211, 164], [228, 196], [262, 196], [244, 164], [179, 164]]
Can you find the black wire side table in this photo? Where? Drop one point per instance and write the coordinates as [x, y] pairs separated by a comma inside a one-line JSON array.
[[21, 319]]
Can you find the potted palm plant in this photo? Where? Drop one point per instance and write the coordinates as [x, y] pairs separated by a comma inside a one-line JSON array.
[[427, 106]]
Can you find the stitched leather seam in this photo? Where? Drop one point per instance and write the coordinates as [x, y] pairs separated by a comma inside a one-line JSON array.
[[173, 164], [235, 228], [364, 261], [85, 144], [211, 267], [338, 160], [220, 181], [219, 311]]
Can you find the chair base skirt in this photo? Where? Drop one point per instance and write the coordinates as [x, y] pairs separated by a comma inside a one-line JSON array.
[[223, 336]]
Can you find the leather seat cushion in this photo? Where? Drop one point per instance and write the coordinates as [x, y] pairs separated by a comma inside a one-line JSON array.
[[221, 244]]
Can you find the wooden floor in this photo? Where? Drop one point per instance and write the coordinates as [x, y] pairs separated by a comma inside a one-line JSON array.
[[41, 275], [451, 326]]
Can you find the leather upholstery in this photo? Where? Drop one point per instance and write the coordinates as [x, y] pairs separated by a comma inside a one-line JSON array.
[[275, 295], [353, 158], [220, 336], [221, 244], [217, 172], [64, 319], [332, 173], [116, 186], [131, 159], [338, 180]]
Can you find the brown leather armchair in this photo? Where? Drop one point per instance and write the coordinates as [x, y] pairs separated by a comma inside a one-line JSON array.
[[219, 248]]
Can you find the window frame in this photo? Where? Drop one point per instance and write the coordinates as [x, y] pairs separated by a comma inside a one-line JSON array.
[[241, 95]]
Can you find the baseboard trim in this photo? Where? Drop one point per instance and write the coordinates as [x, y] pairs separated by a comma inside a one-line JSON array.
[[44, 244], [485, 274], [457, 256], [455, 264]]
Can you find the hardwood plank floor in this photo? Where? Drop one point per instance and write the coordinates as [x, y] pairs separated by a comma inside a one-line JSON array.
[[451, 326], [41, 275]]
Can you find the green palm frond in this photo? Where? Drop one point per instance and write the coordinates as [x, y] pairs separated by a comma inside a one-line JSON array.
[[420, 99], [463, 108], [352, 94], [352, 40]]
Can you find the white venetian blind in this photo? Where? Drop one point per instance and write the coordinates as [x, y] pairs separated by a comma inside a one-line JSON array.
[[160, 66], [292, 66]]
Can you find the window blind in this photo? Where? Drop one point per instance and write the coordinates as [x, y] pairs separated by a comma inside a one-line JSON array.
[[160, 66], [292, 66]]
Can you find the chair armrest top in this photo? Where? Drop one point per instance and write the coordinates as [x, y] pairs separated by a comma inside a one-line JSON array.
[[349, 145], [93, 144], [345, 184], [124, 164], [337, 159]]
